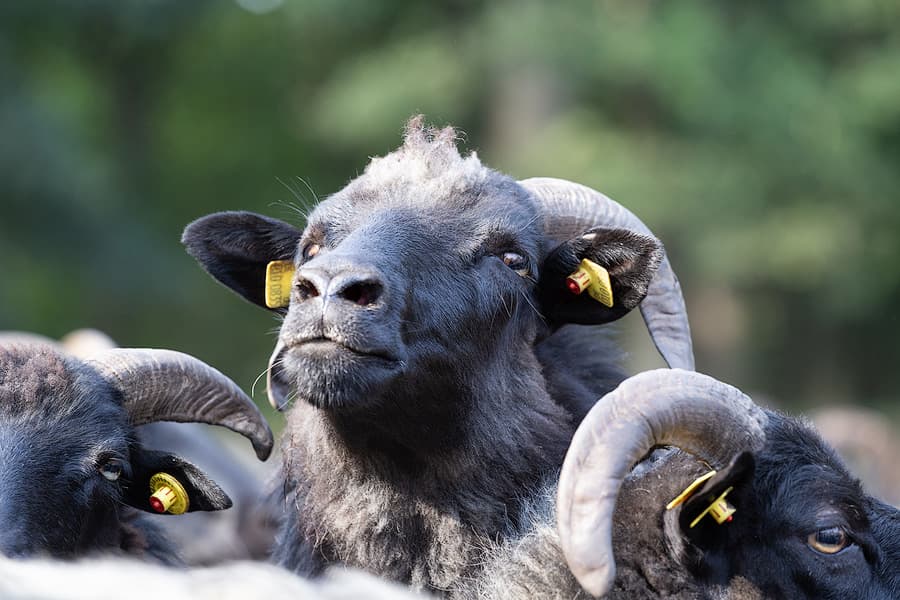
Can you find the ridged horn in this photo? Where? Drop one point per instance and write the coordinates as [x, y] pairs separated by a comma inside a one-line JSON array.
[[164, 385], [570, 209], [663, 407]]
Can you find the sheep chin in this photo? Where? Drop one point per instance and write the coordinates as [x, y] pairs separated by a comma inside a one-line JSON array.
[[334, 378]]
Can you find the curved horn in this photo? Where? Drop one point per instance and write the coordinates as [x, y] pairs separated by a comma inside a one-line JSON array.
[[164, 385], [663, 407], [569, 209]]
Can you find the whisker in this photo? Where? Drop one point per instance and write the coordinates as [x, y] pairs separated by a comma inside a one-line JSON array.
[[255, 381], [292, 395], [536, 311], [303, 209], [493, 317], [530, 222], [503, 300], [309, 187]]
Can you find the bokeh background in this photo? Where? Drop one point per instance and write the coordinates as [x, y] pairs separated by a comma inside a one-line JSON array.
[[759, 140]]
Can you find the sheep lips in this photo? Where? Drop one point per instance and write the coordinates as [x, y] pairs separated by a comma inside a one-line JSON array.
[[334, 375]]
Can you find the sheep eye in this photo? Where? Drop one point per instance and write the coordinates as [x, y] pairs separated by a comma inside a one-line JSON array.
[[516, 262], [111, 469], [310, 250], [828, 541]]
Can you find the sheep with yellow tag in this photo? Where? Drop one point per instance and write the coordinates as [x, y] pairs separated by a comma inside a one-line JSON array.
[[77, 478]]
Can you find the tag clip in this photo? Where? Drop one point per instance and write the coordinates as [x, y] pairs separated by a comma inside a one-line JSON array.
[[595, 279], [168, 495], [720, 509]]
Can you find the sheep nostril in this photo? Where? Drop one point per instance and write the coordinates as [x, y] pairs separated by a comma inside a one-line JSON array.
[[306, 290], [362, 293]]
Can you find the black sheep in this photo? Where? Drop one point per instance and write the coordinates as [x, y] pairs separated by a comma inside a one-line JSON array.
[[803, 527], [437, 389], [72, 468]]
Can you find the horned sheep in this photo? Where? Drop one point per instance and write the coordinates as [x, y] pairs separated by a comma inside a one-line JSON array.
[[801, 526], [76, 478], [428, 340]]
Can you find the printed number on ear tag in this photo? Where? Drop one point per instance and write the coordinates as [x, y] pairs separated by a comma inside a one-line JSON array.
[[595, 279], [168, 495], [279, 276]]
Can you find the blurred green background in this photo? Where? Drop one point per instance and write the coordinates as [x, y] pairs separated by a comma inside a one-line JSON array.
[[760, 141]]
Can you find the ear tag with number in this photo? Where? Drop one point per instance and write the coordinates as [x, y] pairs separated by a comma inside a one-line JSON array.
[[279, 277], [595, 279], [168, 495]]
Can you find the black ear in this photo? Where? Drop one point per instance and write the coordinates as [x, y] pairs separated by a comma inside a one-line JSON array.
[[630, 258], [203, 493], [235, 247], [706, 531]]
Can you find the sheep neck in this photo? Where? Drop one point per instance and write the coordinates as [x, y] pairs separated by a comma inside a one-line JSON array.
[[419, 512]]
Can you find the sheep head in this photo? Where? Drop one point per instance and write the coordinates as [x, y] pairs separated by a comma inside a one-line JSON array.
[[69, 454], [803, 528], [431, 263]]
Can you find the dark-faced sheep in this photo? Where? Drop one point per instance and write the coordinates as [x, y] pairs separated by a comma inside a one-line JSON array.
[[247, 530], [437, 382], [803, 527], [75, 477]]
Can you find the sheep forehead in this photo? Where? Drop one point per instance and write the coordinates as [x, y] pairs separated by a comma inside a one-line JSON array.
[[34, 380], [42, 383], [805, 477], [435, 174], [429, 158], [426, 181]]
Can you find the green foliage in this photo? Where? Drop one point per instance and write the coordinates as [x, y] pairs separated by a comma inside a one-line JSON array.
[[761, 141]]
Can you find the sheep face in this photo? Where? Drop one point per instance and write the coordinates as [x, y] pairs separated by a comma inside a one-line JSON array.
[[395, 280], [64, 453], [429, 272], [804, 527]]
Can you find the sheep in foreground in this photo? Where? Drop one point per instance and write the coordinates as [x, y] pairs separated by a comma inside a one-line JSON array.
[[114, 579], [75, 476], [425, 340], [803, 527]]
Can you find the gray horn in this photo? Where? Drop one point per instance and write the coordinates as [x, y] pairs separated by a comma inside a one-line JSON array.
[[664, 407], [570, 209], [164, 385]]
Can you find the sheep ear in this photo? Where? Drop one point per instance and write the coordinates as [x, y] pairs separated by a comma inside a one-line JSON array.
[[706, 530], [630, 258], [203, 493], [235, 247]]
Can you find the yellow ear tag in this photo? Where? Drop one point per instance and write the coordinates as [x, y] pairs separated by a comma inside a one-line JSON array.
[[689, 490], [593, 278], [279, 276], [720, 510], [168, 495]]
